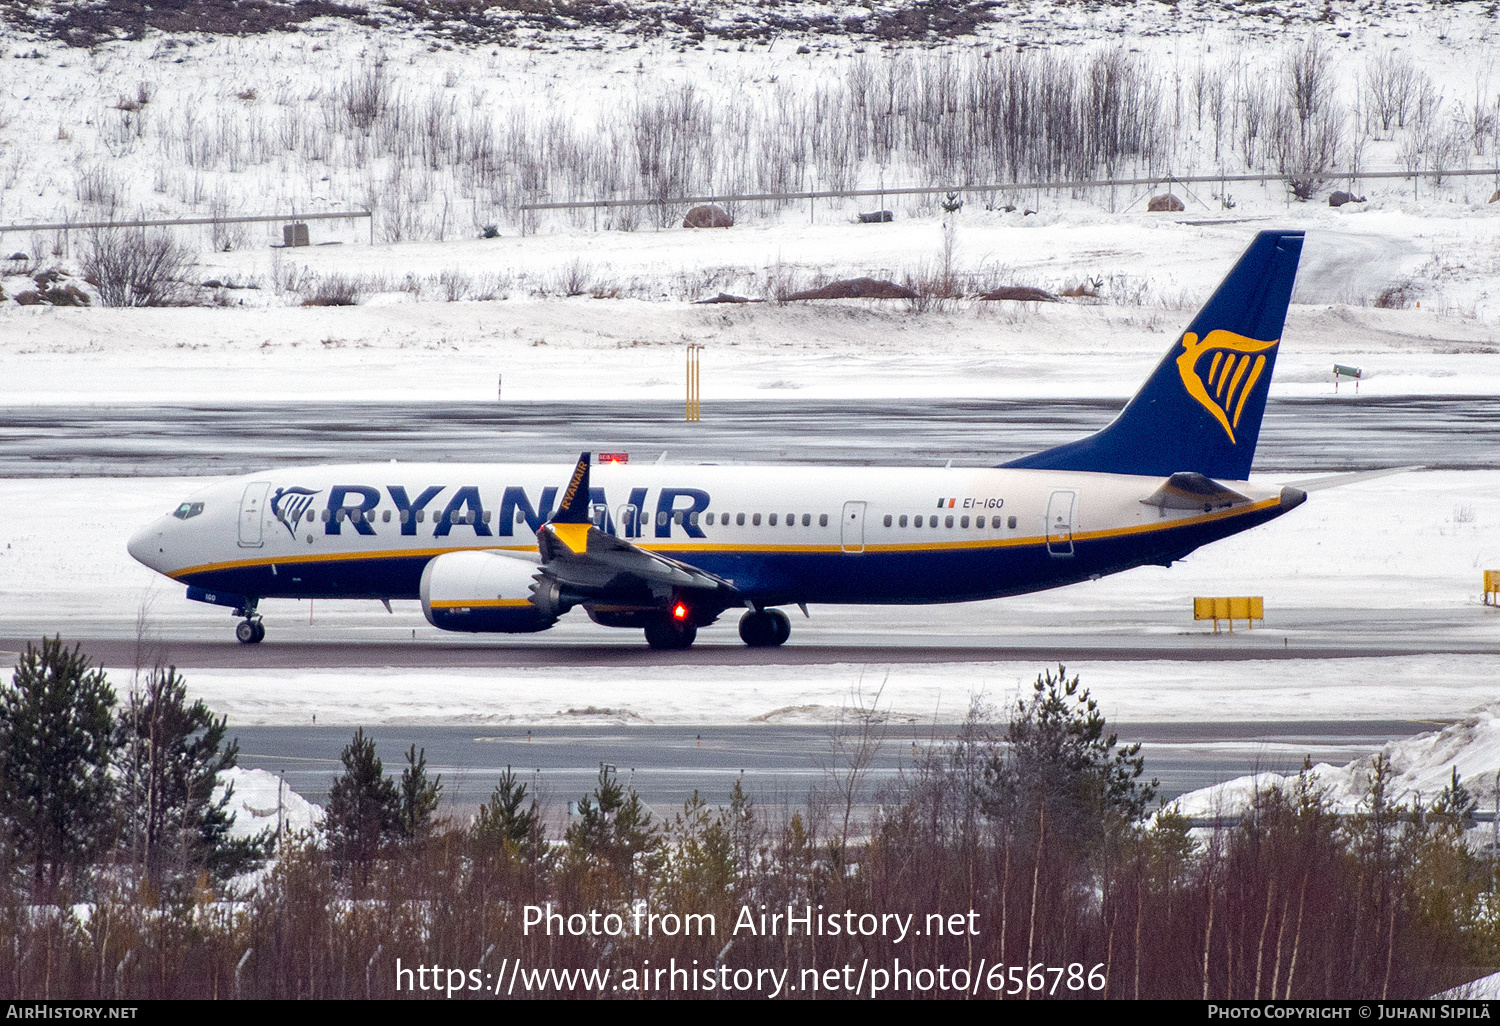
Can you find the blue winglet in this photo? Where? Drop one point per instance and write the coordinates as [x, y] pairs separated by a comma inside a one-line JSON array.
[[1200, 411]]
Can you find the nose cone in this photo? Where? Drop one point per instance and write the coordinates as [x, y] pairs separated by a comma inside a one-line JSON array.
[[145, 546]]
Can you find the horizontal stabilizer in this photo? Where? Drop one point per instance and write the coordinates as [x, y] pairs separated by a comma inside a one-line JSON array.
[[1317, 484], [1191, 490]]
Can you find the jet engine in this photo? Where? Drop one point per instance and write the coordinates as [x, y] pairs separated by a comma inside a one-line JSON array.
[[487, 592]]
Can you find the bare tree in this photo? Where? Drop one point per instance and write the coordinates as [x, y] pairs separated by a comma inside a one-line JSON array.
[[1448, 150], [1254, 105], [855, 741], [1216, 105], [1309, 80], [1481, 116], [1391, 85], [134, 267], [364, 96]]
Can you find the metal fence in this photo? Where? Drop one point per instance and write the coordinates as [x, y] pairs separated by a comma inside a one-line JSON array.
[[65, 226]]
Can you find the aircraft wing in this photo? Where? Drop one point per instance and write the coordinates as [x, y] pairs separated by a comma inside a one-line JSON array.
[[587, 559], [591, 563]]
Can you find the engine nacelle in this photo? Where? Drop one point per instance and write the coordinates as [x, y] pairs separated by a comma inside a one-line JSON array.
[[483, 592]]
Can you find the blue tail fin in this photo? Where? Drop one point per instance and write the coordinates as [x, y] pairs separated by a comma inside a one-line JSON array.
[[1200, 410]]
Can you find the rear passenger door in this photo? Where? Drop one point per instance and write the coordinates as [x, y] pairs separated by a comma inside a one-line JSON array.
[[1062, 512]]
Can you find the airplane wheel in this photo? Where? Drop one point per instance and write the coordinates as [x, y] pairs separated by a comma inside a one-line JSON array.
[[670, 634], [260, 633], [783, 626], [765, 628], [248, 632]]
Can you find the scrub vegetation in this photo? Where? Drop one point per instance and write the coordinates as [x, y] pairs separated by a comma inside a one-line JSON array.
[[453, 155], [1043, 829], [438, 162]]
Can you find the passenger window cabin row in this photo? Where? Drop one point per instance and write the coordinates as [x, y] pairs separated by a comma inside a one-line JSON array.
[[948, 521], [754, 519], [791, 519], [679, 517]]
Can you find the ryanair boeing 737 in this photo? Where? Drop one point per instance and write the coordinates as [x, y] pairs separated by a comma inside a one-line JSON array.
[[510, 548]]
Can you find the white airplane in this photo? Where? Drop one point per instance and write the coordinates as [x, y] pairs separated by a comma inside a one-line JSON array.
[[510, 548]]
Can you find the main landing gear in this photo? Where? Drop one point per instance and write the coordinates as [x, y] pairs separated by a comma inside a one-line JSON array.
[[249, 631], [670, 632], [765, 628]]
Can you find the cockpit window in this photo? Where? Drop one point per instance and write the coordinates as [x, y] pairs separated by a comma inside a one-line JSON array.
[[188, 510]]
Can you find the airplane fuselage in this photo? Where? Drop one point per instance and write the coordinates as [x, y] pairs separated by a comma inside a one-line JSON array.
[[778, 534]]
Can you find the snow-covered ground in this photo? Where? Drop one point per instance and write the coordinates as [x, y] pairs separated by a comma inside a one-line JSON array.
[[1399, 687], [394, 348], [187, 122]]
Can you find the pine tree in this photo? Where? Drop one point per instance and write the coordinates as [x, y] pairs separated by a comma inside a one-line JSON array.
[[614, 830], [169, 757], [419, 796], [506, 821], [363, 806], [1060, 758], [56, 795]]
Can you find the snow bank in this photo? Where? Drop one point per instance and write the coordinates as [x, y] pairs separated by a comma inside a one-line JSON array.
[[1486, 988], [256, 806], [1423, 766]]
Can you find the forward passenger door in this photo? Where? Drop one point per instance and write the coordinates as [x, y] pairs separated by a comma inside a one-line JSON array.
[[252, 514]]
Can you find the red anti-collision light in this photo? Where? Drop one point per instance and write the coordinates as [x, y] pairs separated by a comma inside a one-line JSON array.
[[679, 611]]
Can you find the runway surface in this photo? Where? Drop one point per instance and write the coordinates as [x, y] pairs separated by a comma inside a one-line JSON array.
[[507, 653], [1333, 434], [778, 765]]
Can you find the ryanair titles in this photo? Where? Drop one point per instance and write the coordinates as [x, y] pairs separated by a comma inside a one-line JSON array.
[[369, 510]]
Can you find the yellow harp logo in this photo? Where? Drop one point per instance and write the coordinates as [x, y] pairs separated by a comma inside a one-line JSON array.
[[1236, 366]]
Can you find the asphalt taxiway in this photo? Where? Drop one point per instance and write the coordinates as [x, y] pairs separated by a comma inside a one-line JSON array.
[[777, 765], [1334, 433]]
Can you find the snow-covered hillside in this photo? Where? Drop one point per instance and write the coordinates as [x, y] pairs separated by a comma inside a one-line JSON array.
[[442, 127]]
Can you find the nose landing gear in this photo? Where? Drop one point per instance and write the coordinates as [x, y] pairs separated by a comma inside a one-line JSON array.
[[249, 631], [765, 628]]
